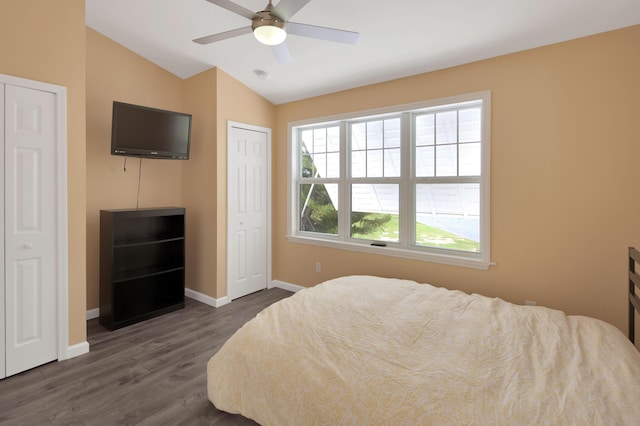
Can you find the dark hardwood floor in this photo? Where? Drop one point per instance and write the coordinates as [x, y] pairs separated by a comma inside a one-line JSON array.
[[150, 373]]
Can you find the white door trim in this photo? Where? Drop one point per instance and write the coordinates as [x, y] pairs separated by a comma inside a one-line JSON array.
[[3, 306], [230, 125], [62, 262]]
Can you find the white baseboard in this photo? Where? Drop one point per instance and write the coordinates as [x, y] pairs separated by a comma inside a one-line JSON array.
[[216, 303], [93, 313], [286, 286], [83, 347], [75, 350], [207, 300]]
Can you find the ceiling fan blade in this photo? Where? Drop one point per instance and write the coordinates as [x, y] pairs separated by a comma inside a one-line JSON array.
[[331, 34], [223, 36], [232, 7], [282, 53], [285, 9]]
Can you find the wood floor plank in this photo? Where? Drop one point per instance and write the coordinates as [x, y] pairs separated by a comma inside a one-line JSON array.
[[150, 373]]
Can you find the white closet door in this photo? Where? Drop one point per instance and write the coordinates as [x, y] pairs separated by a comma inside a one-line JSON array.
[[247, 196], [30, 227], [3, 372]]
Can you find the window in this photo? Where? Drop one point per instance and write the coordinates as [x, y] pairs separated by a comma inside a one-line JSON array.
[[411, 181]]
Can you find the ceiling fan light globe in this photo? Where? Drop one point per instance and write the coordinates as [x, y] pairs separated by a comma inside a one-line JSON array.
[[270, 35]]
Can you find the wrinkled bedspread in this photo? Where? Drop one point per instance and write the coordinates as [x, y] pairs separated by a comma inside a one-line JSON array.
[[364, 350]]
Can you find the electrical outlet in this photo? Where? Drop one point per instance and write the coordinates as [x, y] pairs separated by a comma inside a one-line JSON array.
[[318, 267], [530, 303]]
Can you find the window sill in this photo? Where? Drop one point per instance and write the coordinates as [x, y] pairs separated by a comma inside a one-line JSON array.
[[467, 262]]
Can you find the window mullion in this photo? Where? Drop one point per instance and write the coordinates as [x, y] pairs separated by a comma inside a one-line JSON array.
[[458, 143], [406, 209], [318, 180], [447, 179], [343, 186]]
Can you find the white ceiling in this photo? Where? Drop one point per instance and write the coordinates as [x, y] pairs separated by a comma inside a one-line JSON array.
[[398, 38]]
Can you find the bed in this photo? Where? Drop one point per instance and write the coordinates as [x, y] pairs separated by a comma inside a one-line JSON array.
[[364, 350]]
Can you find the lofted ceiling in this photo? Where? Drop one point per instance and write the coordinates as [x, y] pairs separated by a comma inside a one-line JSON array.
[[398, 38]]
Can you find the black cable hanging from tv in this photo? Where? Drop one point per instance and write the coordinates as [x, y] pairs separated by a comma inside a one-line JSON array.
[[139, 179]]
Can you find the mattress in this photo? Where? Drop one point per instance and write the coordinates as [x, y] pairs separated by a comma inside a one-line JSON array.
[[363, 350]]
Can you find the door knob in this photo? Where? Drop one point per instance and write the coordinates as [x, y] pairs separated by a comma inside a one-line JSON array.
[[27, 246]]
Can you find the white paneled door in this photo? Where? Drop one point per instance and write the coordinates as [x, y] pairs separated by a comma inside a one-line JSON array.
[[29, 228], [248, 209]]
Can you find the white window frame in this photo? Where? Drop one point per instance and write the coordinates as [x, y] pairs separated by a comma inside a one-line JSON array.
[[404, 249]]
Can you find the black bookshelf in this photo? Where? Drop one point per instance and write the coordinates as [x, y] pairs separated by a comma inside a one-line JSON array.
[[141, 264]]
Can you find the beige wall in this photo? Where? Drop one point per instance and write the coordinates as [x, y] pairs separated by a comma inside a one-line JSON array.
[[45, 41], [217, 98], [199, 189], [564, 150], [116, 73]]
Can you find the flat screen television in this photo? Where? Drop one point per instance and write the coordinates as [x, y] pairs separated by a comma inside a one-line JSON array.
[[139, 131]]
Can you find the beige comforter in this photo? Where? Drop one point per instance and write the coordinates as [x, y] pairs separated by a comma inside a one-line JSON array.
[[364, 350]]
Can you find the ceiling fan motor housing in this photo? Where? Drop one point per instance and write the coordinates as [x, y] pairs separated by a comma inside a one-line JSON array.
[[268, 28], [265, 18]]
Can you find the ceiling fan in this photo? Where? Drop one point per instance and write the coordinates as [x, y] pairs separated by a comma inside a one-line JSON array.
[[271, 26]]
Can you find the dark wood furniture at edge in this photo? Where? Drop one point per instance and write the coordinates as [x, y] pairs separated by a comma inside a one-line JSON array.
[[141, 264], [634, 300]]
